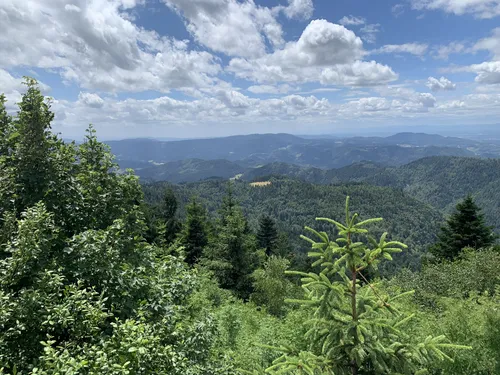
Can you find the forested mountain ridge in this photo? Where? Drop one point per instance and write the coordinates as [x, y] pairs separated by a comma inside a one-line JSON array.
[[190, 170], [259, 149], [294, 203]]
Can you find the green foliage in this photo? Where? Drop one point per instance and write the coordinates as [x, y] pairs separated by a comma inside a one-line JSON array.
[[464, 228], [271, 286], [294, 203], [81, 291], [354, 329], [194, 234], [169, 210], [267, 235], [459, 299], [232, 253]]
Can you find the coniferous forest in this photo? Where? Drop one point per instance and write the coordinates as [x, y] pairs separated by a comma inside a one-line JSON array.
[[101, 274]]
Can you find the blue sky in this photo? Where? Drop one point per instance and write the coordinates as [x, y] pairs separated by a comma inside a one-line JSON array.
[[196, 68]]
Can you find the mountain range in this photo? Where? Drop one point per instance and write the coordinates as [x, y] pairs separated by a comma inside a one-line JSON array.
[[260, 149]]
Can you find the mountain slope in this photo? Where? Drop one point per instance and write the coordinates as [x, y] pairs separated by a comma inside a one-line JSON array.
[[295, 203], [190, 170]]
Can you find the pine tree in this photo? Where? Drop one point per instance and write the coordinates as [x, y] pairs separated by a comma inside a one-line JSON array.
[[354, 328], [464, 228], [194, 235], [267, 236], [169, 210], [231, 255]]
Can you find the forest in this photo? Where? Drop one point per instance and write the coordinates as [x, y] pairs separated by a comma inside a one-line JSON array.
[[100, 274]]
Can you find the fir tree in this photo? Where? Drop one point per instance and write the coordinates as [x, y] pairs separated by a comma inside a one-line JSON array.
[[464, 228], [231, 254], [267, 236], [169, 210], [194, 235], [355, 329]]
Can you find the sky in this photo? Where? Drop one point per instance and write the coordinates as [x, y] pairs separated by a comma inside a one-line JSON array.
[[206, 68]]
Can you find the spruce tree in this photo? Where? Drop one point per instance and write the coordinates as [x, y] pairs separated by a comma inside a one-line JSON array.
[[169, 210], [267, 236], [194, 235], [232, 255], [466, 227], [355, 328]]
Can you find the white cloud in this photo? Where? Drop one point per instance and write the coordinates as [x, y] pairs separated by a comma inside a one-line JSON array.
[[417, 49], [441, 84], [352, 21], [369, 32], [478, 8], [444, 51], [225, 106], [236, 28], [406, 99], [325, 52], [452, 105], [487, 72], [491, 44], [90, 100], [372, 104], [93, 43], [299, 9]]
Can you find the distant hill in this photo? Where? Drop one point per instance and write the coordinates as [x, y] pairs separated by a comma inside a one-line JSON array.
[[190, 170], [356, 172], [260, 149], [442, 181], [423, 139]]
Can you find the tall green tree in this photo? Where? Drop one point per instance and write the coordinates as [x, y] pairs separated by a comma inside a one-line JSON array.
[[194, 234], [267, 235], [169, 218], [232, 255], [466, 227], [34, 144], [355, 328]]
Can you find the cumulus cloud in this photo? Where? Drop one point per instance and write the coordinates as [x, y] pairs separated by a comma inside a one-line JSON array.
[[90, 100], [95, 44], [417, 49], [225, 106], [441, 84], [487, 72], [233, 27], [325, 52], [478, 8]]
